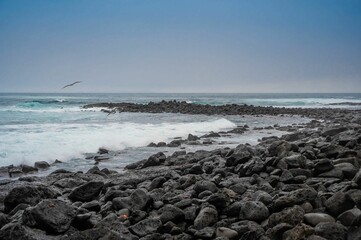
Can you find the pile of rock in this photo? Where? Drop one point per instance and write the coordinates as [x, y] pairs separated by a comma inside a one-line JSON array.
[[304, 185], [227, 109]]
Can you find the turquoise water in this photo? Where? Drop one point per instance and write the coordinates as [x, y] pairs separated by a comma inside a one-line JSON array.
[[36, 127]]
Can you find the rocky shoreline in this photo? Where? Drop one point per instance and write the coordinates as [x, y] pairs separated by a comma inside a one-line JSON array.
[[303, 185]]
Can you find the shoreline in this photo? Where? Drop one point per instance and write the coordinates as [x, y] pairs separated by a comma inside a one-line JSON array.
[[305, 184]]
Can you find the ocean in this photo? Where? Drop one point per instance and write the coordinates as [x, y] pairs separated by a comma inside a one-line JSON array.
[[45, 127]]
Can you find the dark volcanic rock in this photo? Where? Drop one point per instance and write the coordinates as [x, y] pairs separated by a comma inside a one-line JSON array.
[[171, 213], [206, 217], [86, 192], [31, 195], [205, 185], [16, 231], [145, 227], [53, 216], [254, 211], [41, 165], [154, 160], [138, 200], [331, 231], [338, 203]]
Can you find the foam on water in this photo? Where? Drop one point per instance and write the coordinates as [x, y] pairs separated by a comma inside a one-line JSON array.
[[25, 144]]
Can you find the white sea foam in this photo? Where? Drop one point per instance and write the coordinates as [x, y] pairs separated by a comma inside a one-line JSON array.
[[25, 144]]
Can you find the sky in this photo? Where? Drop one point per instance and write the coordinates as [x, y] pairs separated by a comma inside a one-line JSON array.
[[180, 46]]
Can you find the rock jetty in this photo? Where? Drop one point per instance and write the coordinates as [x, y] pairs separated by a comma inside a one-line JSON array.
[[303, 185]]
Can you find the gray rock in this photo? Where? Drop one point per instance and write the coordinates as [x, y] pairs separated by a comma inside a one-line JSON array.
[[292, 216], [219, 200], [354, 233], [248, 229], [315, 218], [3, 219], [146, 226], [254, 211], [86, 192], [226, 232], [331, 231], [205, 185], [31, 195], [355, 196], [206, 217], [138, 200], [41, 165], [205, 233], [16, 231], [171, 213], [338, 203], [69, 182], [357, 178], [348, 169], [52, 215], [350, 217], [154, 160], [333, 131], [277, 231], [323, 165]]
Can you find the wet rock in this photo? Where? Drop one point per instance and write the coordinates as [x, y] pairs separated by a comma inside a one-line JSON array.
[[28, 169], [331, 231], [192, 137], [86, 192], [52, 215], [206, 217], [145, 227], [31, 195], [103, 151], [254, 211], [315, 218], [333, 131], [154, 160], [41, 165]]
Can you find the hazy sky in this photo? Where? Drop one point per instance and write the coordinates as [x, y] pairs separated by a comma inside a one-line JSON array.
[[180, 46]]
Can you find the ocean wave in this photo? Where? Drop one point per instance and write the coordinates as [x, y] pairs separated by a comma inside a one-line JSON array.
[[77, 139]]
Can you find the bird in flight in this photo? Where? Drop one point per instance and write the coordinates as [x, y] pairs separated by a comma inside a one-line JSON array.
[[69, 85]]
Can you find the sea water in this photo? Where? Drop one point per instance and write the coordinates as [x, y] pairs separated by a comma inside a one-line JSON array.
[[44, 127]]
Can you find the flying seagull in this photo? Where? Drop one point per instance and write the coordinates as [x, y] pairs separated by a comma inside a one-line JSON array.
[[69, 85]]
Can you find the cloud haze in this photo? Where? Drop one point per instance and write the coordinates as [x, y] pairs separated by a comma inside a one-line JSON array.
[[180, 46]]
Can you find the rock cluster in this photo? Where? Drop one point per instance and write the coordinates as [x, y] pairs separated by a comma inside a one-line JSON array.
[[190, 108], [303, 185]]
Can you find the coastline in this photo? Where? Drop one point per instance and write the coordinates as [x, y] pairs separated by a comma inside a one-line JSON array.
[[305, 184]]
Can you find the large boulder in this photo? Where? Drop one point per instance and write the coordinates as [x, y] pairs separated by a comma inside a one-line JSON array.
[[171, 213], [52, 215], [17, 231], [86, 192], [315, 218], [29, 194], [338, 203], [292, 216]]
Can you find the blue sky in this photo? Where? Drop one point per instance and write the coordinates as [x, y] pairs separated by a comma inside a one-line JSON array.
[[180, 46]]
